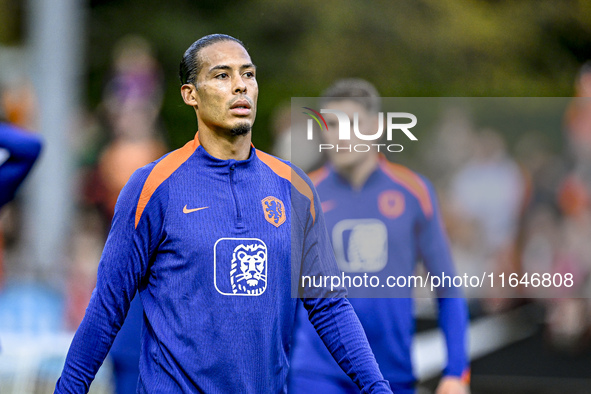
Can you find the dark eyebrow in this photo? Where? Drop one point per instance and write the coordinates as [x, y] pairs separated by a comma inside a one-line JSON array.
[[224, 67], [219, 67]]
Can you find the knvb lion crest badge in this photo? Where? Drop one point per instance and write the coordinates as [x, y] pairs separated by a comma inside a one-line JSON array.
[[274, 210], [240, 266]]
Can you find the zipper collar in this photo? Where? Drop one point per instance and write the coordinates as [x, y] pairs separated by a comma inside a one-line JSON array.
[[214, 162]]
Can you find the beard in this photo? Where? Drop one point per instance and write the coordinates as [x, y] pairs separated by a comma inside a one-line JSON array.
[[241, 129]]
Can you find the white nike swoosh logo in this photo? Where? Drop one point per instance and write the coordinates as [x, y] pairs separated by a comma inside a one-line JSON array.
[[185, 210]]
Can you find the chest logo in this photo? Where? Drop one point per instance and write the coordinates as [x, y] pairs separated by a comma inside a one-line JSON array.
[[360, 245], [274, 210], [391, 203], [186, 210], [240, 266]]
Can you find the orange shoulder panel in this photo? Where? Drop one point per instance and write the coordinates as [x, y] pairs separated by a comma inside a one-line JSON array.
[[286, 172], [161, 172], [411, 181], [318, 175]]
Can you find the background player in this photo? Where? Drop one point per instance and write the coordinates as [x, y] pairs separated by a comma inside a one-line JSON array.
[[204, 233], [383, 218], [18, 152]]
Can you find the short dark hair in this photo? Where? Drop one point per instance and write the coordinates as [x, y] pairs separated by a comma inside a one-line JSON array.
[[354, 89], [191, 62]]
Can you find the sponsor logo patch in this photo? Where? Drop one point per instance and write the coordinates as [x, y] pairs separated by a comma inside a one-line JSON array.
[[240, 266]]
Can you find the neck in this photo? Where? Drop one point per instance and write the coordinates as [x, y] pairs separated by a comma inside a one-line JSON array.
[[357, 174], [225, 146]]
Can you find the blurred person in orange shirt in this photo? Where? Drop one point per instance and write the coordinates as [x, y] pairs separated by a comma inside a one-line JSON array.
[[132, 103]]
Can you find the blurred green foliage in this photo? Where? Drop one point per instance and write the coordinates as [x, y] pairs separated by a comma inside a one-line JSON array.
[[11, 22], [407, 47]]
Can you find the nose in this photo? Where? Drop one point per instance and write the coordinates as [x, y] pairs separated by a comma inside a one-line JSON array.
[[239, 85]]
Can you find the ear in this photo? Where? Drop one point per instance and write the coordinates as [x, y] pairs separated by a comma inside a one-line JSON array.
[[189, 94]]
